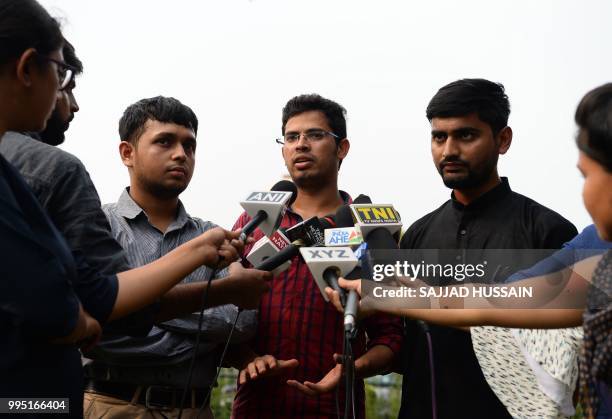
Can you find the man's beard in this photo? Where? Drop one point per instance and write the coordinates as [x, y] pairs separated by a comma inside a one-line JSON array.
[[311, 181], [161, 191], [54, 132], [474, 178]]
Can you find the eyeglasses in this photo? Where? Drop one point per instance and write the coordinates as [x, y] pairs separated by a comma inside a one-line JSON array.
[[311, 136], [65, 72]]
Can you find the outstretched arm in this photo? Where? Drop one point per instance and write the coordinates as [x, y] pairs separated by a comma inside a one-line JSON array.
[[557, 301]]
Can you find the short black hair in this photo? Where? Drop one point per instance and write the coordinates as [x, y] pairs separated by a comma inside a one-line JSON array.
[[334, 112], [26, 24], [594, 118], [463, 97], [159, 108], [71, 58]]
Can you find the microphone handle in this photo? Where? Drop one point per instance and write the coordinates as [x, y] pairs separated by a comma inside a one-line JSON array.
[[259, 218], [330, 275], [350, 311], [278, 259]]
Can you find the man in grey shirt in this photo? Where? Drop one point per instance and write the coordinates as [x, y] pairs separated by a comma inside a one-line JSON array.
[[158, 147]]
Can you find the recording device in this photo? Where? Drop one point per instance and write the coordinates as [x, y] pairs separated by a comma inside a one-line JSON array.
[[267, 208], [378, 224], [268, 247], [307, 233], [311, 231], [343, 236], [327, 270], [328, 264], [344, 219]]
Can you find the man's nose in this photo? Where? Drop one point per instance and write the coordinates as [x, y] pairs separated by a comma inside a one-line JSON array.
[[451, 148], [74, 106], [302, 143], [178, 153]]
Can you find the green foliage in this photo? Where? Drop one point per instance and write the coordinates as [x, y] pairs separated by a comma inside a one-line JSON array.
[[223, 394], [579, 413], [383, 395]]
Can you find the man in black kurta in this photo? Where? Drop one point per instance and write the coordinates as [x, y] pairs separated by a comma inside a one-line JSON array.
[[469, 132]]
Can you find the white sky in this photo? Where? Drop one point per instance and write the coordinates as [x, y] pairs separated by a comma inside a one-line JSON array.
[[237, 62]]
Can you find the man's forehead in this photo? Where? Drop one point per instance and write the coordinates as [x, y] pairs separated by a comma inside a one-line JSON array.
[[307, 120], [457, 122], [154, 127]]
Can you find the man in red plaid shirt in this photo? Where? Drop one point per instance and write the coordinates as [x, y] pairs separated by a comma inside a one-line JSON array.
[[290, 370]]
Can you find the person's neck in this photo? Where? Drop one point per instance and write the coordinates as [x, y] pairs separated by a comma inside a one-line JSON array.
[[161, 212], [469, 195], [318, 201]]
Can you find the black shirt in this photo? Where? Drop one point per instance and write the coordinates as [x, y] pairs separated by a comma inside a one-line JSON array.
[[499, 219]]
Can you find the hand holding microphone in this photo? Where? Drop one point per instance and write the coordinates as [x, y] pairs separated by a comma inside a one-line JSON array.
[[351, 286], [378, 224], [219, 247], [310, 232]]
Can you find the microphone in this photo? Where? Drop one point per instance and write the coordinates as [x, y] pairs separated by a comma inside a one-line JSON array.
[[267, 208], [344, 219], [267, 247], [327, 264], [311, 231], [377, 223], [307, 233]]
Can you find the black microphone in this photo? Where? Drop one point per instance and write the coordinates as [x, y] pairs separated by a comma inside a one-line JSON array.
[[311, 231], [278, 259], [378, 224], [267, 206], [352, 300], [307, 233]]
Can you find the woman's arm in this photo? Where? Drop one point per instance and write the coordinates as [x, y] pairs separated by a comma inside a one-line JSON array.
[[557, 301]]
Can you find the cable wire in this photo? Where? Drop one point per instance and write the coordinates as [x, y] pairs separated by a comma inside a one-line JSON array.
[[195, 349]]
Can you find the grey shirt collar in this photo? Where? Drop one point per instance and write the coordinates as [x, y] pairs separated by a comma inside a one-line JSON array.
[[128, 208]]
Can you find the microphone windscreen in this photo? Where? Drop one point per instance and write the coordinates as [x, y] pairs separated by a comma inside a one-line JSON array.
[[381, 238], [329, 221], [344, 217], [362, 199], [286, 186]]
